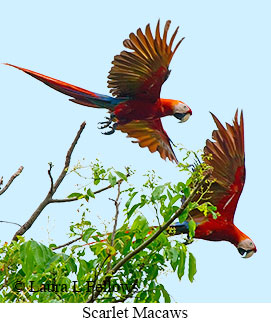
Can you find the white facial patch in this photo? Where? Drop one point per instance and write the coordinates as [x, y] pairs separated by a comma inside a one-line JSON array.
[[181, 108]]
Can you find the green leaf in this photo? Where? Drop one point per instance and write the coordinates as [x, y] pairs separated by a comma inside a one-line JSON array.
[[182, 256], [157, 192], [192, 227], [90, 193], [139, 224], [112, 179], [71, 265], [183, 216], [169, 195], [127, 204], [157, 295], [173, 254], [153, 272], [165, 294], [134, 207], [28, 262], [186, 191], [78, 195], [87, 234], [121, 175], [192, 269], [174, 199]]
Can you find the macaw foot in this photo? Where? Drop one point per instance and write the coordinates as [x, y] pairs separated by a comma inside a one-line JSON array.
[[113, 128], [107, 124]]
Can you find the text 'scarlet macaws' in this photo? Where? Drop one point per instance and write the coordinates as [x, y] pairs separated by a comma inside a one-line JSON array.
[[135, 81]]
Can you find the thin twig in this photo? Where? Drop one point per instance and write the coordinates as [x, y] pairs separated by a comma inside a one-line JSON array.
[[51, 177], [10, 180], [67, 243], [48, 199], [10, 222], [72, 199], [116, 202], [68, 158]]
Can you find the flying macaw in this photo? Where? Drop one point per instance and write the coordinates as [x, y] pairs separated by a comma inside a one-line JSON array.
[[228, 164], [135, 81]]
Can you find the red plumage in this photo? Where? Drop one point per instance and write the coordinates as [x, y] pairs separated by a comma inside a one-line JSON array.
[[135, 81], [226, 156]]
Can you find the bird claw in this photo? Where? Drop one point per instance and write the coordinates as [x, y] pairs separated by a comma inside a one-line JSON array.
[[107, 123], [113, 128], [104, 124]]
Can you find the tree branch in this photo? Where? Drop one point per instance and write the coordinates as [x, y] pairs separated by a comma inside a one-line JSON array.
[[53, 187], [10, 180], [51, 177], [67, 243], [72, 199], [116, 202], [68, 158]]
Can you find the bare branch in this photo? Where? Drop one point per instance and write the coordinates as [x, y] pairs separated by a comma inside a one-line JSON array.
[[51, 177], [10, 180], [48, 199], [67, 243], [106, 188], [68, 158], [116, 202], [72, 199], [1, 221]]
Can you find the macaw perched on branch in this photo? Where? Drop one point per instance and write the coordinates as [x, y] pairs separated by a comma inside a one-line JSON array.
[[227, 159], [135, 81]]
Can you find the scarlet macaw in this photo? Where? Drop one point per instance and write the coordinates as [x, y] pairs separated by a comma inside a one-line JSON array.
[[228, 164], [135, 81]]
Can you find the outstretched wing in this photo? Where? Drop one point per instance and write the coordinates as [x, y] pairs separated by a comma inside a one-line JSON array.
[[226, 156], [151, 134], [141, 72]]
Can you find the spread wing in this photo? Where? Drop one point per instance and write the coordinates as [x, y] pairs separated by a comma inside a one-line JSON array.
[[141, 72], [151, 134], [227, 158]]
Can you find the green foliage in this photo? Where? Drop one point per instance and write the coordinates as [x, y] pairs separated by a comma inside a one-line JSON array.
[[33, 272]]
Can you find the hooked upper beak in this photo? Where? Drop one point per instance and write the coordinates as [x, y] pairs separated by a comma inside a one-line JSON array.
[[246, 253]]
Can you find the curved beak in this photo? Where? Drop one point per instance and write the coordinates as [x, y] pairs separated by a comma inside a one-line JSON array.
[[246, 253], [182, 116]]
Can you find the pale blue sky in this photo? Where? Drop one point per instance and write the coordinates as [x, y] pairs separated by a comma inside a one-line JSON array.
[[223, 63]]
